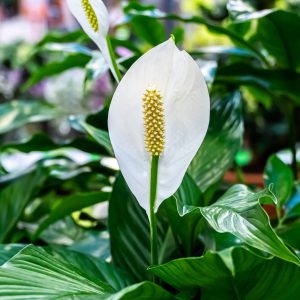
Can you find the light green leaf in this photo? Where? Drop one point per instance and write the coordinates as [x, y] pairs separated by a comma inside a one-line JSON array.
[[142, 291], [237, 274], [99, 135], [15, 197], [281, 176], [66, 206], [8, 251], [238, 212], [17, 113], [35, 274], [221, 143]]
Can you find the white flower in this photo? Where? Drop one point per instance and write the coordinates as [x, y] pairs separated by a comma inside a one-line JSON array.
[[93, 18], [161, 107]]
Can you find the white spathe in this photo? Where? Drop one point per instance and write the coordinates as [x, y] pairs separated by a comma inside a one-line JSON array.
[[99, 37], [186, 105]]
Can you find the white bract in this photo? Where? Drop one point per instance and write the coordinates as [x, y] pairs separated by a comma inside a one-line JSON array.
[[161, 107], [93, 18]]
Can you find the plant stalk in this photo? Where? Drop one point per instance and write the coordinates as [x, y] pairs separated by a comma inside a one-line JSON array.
[[153, 226], [113, 58]]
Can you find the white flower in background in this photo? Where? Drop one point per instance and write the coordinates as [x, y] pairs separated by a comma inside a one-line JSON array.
[[93, 18], [160, 109]]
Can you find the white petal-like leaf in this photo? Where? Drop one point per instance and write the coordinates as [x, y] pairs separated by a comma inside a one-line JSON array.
[[186, 108], [93, 18]]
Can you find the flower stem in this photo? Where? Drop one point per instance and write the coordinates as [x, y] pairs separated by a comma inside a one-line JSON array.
[[113, 58], [153, 227]]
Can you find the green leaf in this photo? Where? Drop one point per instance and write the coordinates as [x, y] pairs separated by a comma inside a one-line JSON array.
[[95, 267], [142, 291], [279, 83], [66, 206], [229, 271], [35, 274], [15, 197], [8, 251], [281, 176], [238, 212], [136, 9], [129, 232], [184, 225], [17, 113], [99, 135], [221, 143], [57, 67]]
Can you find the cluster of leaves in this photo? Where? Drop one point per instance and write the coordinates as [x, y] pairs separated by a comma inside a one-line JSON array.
[[54, 244]]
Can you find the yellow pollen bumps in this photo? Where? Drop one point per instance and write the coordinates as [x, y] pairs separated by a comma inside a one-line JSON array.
[[154, 122], [90, 13]]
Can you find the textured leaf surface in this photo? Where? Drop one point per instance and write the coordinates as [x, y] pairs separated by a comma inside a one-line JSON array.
[[35, 274], [281, 176], [237, 274], [17, 113], [238, 212], [14, 198], [221, 143]]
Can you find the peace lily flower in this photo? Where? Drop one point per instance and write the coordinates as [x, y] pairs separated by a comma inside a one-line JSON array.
[[93, 18], [159, 113]]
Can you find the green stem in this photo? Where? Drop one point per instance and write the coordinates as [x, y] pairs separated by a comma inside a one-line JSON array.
[[153, 227], [113, 58]]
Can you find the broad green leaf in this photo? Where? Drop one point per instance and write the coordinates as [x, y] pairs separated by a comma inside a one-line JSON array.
[[98, 135], [9, 250], [184, 225], [17, 113], [238, 212], [281, 176], [276, 31], [35, 274], [289, 232], [15, 197], [67, 205], [277, 83], [130, 234], [42, 142], [95, 267], [56, 67], [221, 143], [134, 9], [237, 274], [142, 291]]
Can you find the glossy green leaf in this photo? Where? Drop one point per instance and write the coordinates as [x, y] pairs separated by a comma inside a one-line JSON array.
[[15, 197], [142, 291], [99, 135], [281, 176], [95, 267], [134, 9], [279, 83], [130, 233], [35, 274], [238, 212], [57, 67], [17, 113], [184, 225], [8, 251], [277, 31], [221, 143], [237, 274], [67, 205]]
